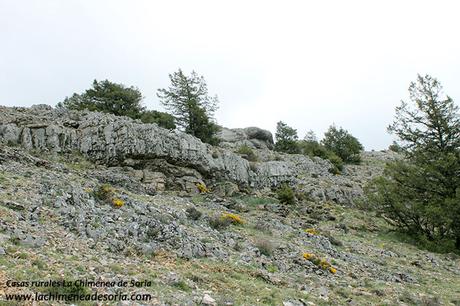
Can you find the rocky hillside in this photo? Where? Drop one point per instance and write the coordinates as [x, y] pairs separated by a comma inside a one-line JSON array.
[[156, 159], [93, 196]]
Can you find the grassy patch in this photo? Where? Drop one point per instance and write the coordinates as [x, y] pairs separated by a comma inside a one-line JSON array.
[[444, 246], [256, 201], [242, 284], [182, 285], [198, 199]]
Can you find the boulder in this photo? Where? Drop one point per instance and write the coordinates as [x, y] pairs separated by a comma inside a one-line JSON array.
[[208, 300], [253, 137], [231, 135], [259, 134]]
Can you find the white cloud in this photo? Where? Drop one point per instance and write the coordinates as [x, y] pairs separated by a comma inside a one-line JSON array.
[[308, 63]]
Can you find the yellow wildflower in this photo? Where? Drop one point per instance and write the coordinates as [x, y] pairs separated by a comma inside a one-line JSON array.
[[324, 264], [234, 218], [308, 256], [311, 231], [118, 202], [202, 188]]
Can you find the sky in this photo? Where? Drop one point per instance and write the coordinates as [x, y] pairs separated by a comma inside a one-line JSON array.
[[307, 63]]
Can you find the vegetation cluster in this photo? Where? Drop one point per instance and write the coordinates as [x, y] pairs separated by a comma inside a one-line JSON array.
[[338, 145], [420, 194]]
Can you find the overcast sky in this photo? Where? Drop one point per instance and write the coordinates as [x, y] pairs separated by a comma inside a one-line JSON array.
[[307, 63]]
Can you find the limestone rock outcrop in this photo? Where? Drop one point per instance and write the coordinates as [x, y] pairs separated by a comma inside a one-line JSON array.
[[121, 141], [147, 157], [252, 137], [115, 141]]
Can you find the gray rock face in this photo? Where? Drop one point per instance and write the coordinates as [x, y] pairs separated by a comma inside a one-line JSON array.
[[147, 148], [145, 157], [252, 137], [231, 135], [115, 141]]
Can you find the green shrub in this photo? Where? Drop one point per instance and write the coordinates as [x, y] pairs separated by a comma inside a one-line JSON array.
[[247, 153], [40, 264], [193, 213], [163, 120], [286, 195], [23, 256], [336, 162], [104, 192], [343, 144], [219, 223], [313, 148], [107, 97], [3, 178], [286, 139], [182, 285]]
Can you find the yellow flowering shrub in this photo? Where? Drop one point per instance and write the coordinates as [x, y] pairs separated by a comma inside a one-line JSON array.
[[324, 264], [233, 218], [108, 195], [311, 231], [202, 188], [308, 256], [104, 192], [118, 202], [320, 262]]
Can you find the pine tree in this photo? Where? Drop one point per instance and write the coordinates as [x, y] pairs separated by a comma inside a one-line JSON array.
[[286, 138], [342, 143], [188, 100], [421, 194]]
